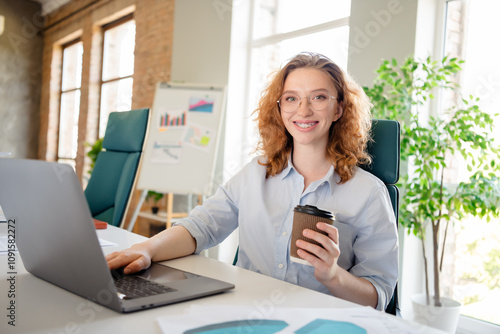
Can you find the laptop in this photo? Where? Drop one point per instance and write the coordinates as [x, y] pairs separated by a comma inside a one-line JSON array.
[[57, 242]]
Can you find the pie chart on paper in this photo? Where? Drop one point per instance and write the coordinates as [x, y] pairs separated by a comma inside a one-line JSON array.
[[241, 326], [318, 326], [323, 326]]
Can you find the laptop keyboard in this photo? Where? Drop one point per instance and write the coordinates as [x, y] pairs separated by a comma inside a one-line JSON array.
[[132, 286]]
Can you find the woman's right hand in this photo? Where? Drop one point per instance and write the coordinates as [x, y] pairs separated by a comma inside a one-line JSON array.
[[134, 259], [139, 256]]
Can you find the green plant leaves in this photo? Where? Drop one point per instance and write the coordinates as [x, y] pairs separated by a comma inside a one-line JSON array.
[[399, 92], [94, 151], [154, 195]]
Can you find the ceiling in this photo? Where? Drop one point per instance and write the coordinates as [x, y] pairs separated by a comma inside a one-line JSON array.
[[49, 6]]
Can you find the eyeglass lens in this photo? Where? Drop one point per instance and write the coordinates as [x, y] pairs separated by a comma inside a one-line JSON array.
[[290, 102]]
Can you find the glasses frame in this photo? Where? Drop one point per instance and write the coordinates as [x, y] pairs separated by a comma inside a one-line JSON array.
[[330, 97]]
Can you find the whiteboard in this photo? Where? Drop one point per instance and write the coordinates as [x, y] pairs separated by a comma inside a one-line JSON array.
[[183, 139]]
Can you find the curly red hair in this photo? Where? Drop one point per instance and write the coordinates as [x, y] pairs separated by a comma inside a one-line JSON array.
[[348, 136]]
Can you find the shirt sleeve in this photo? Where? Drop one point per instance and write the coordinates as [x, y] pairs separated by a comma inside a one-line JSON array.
[[376, 246], [211, 222]]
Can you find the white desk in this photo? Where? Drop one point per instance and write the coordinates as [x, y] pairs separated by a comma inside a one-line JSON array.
[[44, 308]]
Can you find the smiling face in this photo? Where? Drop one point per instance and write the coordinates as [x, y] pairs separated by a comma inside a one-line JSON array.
[[309, 128]]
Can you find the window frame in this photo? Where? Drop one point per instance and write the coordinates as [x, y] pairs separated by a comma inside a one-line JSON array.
[[104, 28], [61, 92]]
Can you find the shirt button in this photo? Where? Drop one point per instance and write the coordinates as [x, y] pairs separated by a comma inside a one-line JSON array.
[[284, 233], [280, 266]]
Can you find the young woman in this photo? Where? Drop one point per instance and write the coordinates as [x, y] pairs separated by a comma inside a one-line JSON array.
[[314, 123]]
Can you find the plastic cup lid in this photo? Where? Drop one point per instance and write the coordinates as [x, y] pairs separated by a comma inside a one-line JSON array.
[[312, 210]]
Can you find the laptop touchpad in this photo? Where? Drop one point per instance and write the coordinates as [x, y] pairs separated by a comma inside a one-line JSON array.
[[164, 275]]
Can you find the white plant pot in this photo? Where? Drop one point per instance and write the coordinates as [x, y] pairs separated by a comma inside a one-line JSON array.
[[444, 317]]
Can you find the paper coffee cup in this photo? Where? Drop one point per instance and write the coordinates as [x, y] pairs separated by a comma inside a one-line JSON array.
[[306, 217]]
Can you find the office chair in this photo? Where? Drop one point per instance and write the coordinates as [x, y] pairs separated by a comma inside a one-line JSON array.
[[385, 153], [109, 189]]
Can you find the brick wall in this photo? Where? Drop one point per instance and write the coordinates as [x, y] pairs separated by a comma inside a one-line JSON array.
[[83, 19]]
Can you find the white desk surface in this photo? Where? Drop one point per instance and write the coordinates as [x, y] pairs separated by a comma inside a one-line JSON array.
[[44, 308]]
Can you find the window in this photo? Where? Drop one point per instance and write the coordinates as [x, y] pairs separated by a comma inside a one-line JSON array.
[[70, 102], [117, 69], [283, 28], [474, 275]]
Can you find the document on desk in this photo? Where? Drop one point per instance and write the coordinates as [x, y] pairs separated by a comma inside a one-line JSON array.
[[106, 243], [4, 244], [2, 216], [215, 320]]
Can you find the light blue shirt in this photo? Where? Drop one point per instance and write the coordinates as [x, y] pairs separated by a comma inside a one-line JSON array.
[[263, 210]]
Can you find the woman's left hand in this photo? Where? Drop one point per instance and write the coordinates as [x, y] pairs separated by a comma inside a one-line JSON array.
[[324, 259]]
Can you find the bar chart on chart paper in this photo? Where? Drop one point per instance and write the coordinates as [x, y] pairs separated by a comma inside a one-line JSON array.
[[172, 118]]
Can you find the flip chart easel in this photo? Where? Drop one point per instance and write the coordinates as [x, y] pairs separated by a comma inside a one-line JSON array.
[[181, 148]]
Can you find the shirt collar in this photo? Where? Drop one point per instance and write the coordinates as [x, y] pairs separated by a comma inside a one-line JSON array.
[[331, 178], [289, 167]]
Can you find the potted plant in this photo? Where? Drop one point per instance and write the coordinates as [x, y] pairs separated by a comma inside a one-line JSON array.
[[94, 151], [155, 197], [402, 92]]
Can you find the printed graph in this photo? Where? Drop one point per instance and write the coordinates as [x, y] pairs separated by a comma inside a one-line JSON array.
[[262, 326], [172, 118], [198, 136], [166, 152], [201, 104], [271, 319], [266, 326]]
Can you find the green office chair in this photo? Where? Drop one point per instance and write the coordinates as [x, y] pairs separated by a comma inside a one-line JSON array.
[[110, 186], [385, 152]]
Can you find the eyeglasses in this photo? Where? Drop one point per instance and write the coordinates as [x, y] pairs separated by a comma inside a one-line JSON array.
[[290, 102]]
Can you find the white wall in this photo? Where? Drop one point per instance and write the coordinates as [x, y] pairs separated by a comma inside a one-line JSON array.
[[202, 33], [379, 29]]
